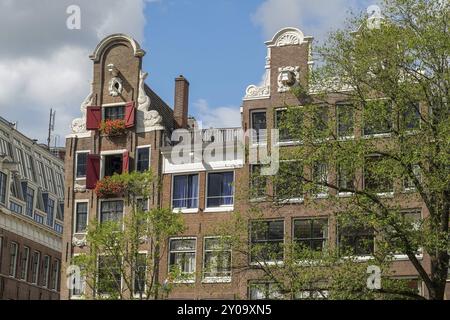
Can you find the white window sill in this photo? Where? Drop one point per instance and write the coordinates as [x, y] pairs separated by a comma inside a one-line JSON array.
[[292, 200], [267, 263], [360, 258], [262, 199], [345, 138], [77, 298], [219, 209], [345, 194], [138, 296], [184, 281], [80, 179], [217, 280], [404, 257], [287, 143], [259, 144], [179, 210], [321, 196], [376, 135], [386, 194]]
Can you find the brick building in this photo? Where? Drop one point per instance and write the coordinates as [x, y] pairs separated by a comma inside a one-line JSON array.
[[31, 218], [206, 192]]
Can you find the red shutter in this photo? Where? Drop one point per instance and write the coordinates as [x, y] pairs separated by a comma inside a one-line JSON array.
[[92, 171], [125, 162], [130, 114], [93, 117]]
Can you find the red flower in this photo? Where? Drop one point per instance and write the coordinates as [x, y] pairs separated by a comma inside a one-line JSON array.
[[112, 127], [107, 188]]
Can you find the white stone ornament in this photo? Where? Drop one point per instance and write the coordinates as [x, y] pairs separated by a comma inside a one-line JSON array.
[[147, 120], [79, 242], [115, 87], [288, 77], [79, 124]]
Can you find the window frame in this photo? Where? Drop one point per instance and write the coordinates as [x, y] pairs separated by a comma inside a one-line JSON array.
[[113, 105], [4, 188], [24, 266], [138, 295], [80, 178], [185, 210], [221, 208], [325, 240], [103, 154], [46, 270], [215, 279], [256, 140], [75, 216], [110, 200], [12, 270], [35, 272], [149, 147], [194, 272], [283, 242]]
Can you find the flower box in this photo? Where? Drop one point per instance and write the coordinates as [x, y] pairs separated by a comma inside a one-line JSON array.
[[107, 188], [112, 127]]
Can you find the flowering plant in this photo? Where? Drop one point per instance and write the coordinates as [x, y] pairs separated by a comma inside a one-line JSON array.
[[112, 127], [108, 187]]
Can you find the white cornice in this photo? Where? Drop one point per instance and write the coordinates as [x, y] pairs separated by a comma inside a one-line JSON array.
[[106, 42]]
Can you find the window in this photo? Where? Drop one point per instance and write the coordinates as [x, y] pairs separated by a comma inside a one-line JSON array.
[[42, 175], [345, 179], [314, 292], [185, 192], [60, 211], [258, 123], [50, 210], [354, 239], [29, 199], [46, 270], [14, 207], [109, 275], [59, 185], [21, 160], [264, 291], [410, 119], [114, 113], [267, 238], [55, 275], [320, 178], [77, 289], [345, 121], [111, 211], [220, 189], [140, 273], [182, 256], [409, 219], [288, 182], [81, 164], [408, 183], [3, 179], [24, 263], [142, 204], [258, 182], [51, 179], [284, 120], [81, 216], [376, 178], [13, 248], [217, 259], [113, 164], [35, 267], [1, 251], [143, 159], [311, 234], [30, 168], [377, 117], [320, 121]]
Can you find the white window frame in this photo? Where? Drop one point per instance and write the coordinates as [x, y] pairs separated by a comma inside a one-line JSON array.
[[298, 199], [54, 284], [287, 142], [109, 153], [194, 273], [83, 285], [185, 210], [144, 295], [269, 262], [114, 104], [99, 215], [252, 139], [76, 164], [336, 107], [149, 147], [223, 208], [75, 216], [215, 279], [105, 295]]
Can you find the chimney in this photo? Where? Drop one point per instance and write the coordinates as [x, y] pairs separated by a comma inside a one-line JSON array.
[[180, 110]]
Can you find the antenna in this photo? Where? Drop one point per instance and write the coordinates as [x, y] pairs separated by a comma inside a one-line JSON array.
[[51, 126]]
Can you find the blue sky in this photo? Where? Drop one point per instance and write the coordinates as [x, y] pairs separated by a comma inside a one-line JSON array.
[[217, 44]]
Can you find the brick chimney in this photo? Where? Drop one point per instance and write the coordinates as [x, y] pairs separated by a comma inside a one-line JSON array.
[[180, 109]]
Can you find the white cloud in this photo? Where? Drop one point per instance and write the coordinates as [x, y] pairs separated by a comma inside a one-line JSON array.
[[220, 117], [314, 18], [45, 65]]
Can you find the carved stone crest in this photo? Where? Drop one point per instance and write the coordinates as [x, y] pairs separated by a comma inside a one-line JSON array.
[[147, 120]]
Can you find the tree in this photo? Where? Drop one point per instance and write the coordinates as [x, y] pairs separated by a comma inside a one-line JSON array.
[[375, 126], [115, 266]]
